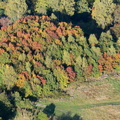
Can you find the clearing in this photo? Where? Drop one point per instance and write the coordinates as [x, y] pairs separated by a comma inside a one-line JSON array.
[[96, 99]]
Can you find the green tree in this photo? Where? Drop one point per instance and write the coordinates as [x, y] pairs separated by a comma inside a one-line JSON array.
[[105, 41], [82, 6], [27, 88], [78, 68], [67, 7], [92, 40], [78, 61], [48, 62], [111, 51], [84, 62], [61, 76], [9, 77], [2, 4], [42, 116], [5, 58], [36, 86], [22, 57], [66, 57], [118, 41], [117, 14], [53, 4], [41, 7], [28, 67], [96, 50], [15, 9], [52, 82], [102, 12], [71, 38]]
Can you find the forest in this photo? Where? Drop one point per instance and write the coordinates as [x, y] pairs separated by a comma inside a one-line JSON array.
[[45, 45]]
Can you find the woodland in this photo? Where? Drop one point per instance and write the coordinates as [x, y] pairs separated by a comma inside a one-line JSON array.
[[47, 44]]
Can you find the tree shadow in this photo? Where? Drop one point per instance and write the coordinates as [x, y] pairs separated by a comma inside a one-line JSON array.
[[68, 116], [6, 112], [84, 20], [50, 110], [87, 24], [22, 94]]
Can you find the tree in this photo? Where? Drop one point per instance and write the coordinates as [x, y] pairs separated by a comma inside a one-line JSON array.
[[117, 14], [15, 9], [96, 50], [5, 21], [84, 62], [61, 76], [66, 58], [105, 41], [82, 6], [2, 4], [90, 2], [92, 40], [53, 4], [48, 62], [102, 12], [118, 42], [5, 58], [42, 116], [111, 51], [117, 1], [52, 82], [9, 77], [41, 7], [115, 30], [67, 7]]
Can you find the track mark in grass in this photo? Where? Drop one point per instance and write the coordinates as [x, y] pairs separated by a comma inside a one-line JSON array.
[[99, 104]]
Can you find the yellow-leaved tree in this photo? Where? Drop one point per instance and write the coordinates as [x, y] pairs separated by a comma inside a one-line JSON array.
[[15, 9], [61, 76], [102, 12]]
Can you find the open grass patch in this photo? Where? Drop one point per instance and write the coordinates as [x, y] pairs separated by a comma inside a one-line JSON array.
[[91, 101], [115, 83]]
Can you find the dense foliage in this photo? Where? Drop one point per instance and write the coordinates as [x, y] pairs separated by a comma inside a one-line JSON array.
[[38, 56], [40, 53]]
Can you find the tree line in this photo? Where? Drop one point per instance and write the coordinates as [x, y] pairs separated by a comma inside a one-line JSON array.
[[103, 12]]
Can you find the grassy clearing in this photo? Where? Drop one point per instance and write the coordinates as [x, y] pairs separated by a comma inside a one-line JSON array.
[[98, 100]]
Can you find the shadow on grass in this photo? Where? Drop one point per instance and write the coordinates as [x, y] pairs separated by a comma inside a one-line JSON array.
[[50, 111], [67, 116], [99, 104]]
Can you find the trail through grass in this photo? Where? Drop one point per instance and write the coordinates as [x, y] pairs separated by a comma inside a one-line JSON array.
[[97, 100]]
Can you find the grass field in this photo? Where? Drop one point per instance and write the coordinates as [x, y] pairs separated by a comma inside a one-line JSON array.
[[94, 100]]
